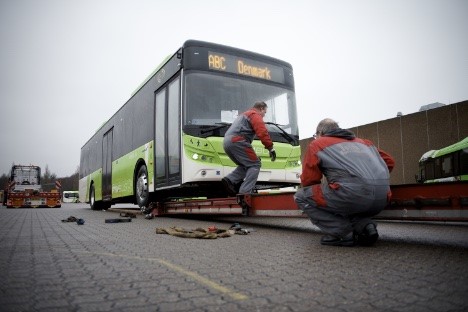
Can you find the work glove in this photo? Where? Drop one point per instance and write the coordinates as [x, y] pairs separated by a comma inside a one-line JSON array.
[[272, 154]]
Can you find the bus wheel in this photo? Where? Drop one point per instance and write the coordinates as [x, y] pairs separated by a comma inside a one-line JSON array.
[[141, 187], [92, 198]]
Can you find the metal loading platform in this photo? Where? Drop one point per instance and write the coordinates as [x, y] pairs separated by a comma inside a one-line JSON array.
[[411, 202], [261, 204], [444, 201]]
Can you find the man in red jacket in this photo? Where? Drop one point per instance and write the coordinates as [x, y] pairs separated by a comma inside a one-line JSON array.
[[355, 185], [238, 146]]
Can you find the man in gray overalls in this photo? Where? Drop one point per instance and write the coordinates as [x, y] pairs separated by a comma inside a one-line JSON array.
[[238, 146], [346, 181]]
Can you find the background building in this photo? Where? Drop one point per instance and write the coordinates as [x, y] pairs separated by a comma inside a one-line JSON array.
[[407, 137]]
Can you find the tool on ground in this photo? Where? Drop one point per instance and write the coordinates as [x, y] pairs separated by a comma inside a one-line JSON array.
[[117, 220], [128, 215], [70, 219]]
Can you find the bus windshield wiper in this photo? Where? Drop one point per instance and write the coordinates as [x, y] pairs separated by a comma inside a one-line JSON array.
[[221, 125], [286, 135]]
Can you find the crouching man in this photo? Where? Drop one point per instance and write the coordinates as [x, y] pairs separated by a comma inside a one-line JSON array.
[[345, 181]]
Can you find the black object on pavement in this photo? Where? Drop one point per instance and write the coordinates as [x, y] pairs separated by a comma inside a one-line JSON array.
[[117, 220]]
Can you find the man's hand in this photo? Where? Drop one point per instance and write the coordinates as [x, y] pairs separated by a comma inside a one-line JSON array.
[[272, 154]]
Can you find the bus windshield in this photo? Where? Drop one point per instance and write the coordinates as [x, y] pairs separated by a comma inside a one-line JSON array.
[[212, 101]]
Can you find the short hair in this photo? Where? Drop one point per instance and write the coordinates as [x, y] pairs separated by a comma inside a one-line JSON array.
[[260, 105], [326, 125]]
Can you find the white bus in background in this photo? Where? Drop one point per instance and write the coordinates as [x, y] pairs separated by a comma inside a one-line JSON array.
[[70, 197]]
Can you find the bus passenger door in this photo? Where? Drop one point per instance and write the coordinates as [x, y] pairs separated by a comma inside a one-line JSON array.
[[167, 136], [107, 165]]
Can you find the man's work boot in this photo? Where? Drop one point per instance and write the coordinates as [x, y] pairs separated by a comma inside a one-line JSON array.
[[229, 187], [369, 235], [331, 240]]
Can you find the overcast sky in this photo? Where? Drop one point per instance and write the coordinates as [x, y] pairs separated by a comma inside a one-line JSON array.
[[67, 66]]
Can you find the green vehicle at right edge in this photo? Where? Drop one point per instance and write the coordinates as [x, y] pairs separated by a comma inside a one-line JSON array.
[[445, 165]]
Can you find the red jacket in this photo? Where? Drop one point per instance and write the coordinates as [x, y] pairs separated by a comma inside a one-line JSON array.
[[339, 155], [249, 124]]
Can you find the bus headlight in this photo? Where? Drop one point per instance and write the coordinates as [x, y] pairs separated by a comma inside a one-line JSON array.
[[293, 163], [203, 158]]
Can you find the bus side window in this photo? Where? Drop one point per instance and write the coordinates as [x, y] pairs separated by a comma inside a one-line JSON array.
[[429, 170], [437, 168], [463, 161], [446, 166]]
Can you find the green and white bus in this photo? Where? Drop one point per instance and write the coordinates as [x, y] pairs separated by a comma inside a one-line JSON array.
[[166, 141], [445, 165]]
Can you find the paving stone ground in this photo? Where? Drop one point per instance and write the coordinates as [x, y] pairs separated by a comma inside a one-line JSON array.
[[50, 265]]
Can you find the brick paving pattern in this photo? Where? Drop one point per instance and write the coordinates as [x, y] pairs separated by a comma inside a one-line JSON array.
[[50, 265]]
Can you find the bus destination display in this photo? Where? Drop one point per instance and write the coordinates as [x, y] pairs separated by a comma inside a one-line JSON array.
[[246, 67]]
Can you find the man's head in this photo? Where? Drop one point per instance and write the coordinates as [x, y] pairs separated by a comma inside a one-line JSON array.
[[326, 125], [261, 107]]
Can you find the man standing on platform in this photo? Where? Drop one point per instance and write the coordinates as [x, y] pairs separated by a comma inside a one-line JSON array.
[[238, 146]]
